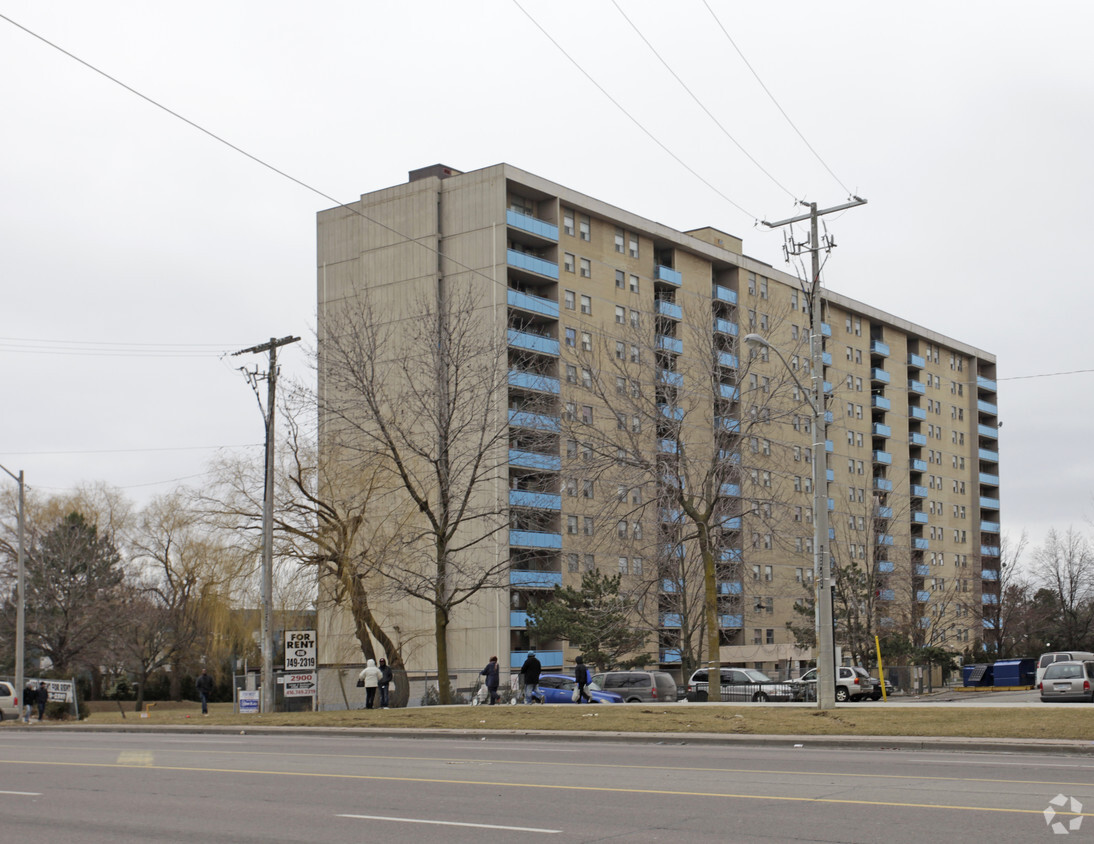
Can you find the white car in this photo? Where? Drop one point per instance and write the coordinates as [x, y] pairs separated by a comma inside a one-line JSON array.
[[743, 684], [9, 708]]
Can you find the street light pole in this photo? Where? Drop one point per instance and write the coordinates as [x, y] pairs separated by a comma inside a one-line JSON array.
[[21, 589]]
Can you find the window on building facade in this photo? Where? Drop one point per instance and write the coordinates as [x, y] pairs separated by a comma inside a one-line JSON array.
[[568, 300], [584, 227], [568, 262], [568, 221], [586, 269], [632, 245], [619, 241]]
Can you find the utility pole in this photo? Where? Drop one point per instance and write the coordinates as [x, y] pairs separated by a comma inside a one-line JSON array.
[[822, 603], [267, 519], [21, 588]]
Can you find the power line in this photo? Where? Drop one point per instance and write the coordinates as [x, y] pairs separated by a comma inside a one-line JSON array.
[[126, 450], [776, 102], [699, 103]]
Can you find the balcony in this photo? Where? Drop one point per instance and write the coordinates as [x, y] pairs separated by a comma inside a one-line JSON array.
[[987, 407], [826, 330], [668, 446], [916, 439], [989, 503], [883, 457], [532, 304], [673, 379], [536, 500], [989, 550], [989, 574], [667, 275], [518, 619], [727, 359], [880, 402], [548, 659], [989, 431], [729, 391], [670, 586], [831, 507], [989, 599], [530, 263], [668, 309], [919, 517], [987, 384], [534, 460], [533, 381], [885, 567], [724, 294], [830, 475], [669, 656], [923, 597], [534, 579], [672, 412], [921, 569], [886, 594], [989, 527], [536, 421], [677, 551], [670, 344], [730, 490], [988, 455], [990, 624], [881, 511], [880, 430], [988, 479], [826, 358], [730, 555], [917, 465], [916, 361], [879, 348], [533, 342], [731, 523], [730, 621], [920, 544], [669, 515], [917, 413], [534, 539], [919, 491], [729, 587], [916, 387], [827, 387], [532, 225], [883, 485], [725, 326], [879, 376], [727, 423], [883, 539], [669, 619]]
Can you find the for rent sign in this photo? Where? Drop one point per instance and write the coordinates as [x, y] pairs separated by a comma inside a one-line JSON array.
[[300, 647], [300, 685]]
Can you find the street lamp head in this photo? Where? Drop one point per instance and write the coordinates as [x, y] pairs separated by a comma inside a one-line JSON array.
[[757, 340]]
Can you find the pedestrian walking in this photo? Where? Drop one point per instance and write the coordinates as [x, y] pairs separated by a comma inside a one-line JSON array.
[[492, 678], [581, 678], [371, 678], [204, 685], [30, 696], [530, 671], [42, 698], [386, 676]]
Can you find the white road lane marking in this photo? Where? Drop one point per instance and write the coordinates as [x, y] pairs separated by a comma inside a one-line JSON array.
[[451, 823], [23, 793]]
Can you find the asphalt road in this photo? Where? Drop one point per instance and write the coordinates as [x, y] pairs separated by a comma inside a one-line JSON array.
[[119, 788]]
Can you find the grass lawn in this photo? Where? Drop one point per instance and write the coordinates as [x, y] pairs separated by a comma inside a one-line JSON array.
[[1073, 723]]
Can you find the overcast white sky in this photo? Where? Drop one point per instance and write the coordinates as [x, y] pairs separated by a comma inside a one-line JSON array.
[[136, 250]]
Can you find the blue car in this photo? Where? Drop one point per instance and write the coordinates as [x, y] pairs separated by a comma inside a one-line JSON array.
[[559, 688]]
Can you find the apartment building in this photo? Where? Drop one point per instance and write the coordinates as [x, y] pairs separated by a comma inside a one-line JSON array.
[[638, 435]]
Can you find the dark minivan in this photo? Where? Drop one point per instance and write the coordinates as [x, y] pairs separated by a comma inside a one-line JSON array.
[[639, 686]]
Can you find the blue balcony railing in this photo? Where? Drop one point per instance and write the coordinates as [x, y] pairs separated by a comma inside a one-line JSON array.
[[989, 527], [887, 594], [671, 412], [670, 514], [725, 326], [533, 381], [988, 455], [987, 407], [883, 539], [537, 421], [725, 294], [989, 599], [667, 446], [879, 348], [916, 439], [919, 491], [532, 225], [989, 431], [730, 621], [532, 342], [729, 587], [727, 423], [826, 358], [916, 361], [880, 402], [921, 569], [918, 465], [883, 485], [730, 555], [881, 511], [534, 460], [917, 413], [989, 503], [534, 579], [518, 619], [989, 550], [916, 386], [921, 544], [829, 446], [729, 391], [830, 475], [534, 539], [988, 479], [879, 375], [730, 490], [727, 359], [667, 275], [524, 261], [989, 574], [923, 597], [534, 304], [885, 567], [881, 430], [669, 309], [987, 384], [731, 523], [670, 344], [670, 619], [826, 330], [548, 659], [883, 457], [537, 500], [669, 656], [919, 517], [673, 379]]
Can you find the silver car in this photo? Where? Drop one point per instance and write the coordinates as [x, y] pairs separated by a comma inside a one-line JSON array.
[[1071, 680], [743, 684], [8, 706]]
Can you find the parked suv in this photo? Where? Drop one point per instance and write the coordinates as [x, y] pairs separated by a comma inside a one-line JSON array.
[[852, 683], [742, 684], [9, 703], [639, 686]]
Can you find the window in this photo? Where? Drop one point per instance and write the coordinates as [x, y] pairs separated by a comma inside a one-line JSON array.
[[590, 562], [620, 279], [620, 314], [636, 565], [586, 305], [636, 495], [586, 414], [584, 228], [768, 574], [793, 332], [586, 378], [570, 413], [619, 241], [568, 228], [587, 525], [586, 489], [636, 357], [763, 287], [571, 562], [793, 300], [763, 321], [769, 636], [586, 341], [568, 262], [632, 241], [623, 567], [752, 284], [586, 268], [571, 525], [571, 337], [570, 485], [568, 299], [634, 283], [621, 385], [620, 350], [751, 317], [571, 374], [636, 530], [571, 449]]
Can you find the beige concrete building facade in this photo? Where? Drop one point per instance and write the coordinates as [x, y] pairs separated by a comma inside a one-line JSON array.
[[620, 380]]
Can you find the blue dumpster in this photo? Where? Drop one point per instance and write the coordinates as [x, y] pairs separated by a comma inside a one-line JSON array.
[[1015, 672], [981, 674]]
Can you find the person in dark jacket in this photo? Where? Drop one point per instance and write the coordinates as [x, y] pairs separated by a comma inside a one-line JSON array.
[[42, 697], [581, 677], [492, 677], [530, 671], [204, 686], [385, 679], [30, 697]]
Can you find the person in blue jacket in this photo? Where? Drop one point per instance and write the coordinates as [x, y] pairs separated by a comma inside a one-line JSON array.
[[581, 677], [492, 677]]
